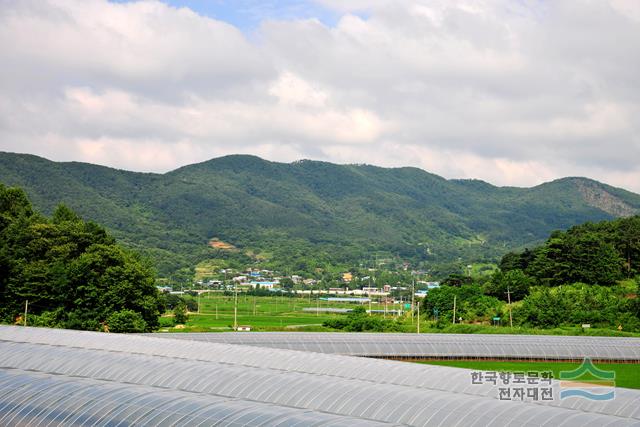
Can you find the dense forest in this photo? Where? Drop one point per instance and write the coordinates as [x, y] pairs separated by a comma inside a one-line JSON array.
[[588, 274], [308, 215], [65, 272], [599, 254], [71, 273]]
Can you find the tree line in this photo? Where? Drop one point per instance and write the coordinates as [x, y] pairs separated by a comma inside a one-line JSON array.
[[599, 254], [584, 275], [70, 273]]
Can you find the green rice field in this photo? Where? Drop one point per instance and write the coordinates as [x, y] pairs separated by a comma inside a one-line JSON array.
[[263, 313]]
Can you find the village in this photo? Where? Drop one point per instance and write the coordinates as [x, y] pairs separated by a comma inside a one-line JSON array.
[[271, 282]]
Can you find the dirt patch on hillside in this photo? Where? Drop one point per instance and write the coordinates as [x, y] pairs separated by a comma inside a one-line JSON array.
[[216, 243]]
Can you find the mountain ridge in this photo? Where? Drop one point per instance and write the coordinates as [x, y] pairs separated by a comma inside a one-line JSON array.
[[308, 208]]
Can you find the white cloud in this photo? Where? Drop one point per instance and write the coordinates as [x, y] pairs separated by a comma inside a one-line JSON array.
[[511, 92], [292, 90]]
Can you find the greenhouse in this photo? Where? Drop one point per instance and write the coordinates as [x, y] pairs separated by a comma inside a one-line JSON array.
[[61, 377], [438, 346], [29, 398]]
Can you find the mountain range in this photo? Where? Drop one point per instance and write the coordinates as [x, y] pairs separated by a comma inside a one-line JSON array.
[[308, 213]]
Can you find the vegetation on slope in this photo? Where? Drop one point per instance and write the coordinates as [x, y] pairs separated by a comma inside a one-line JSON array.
[[581, 276], [71, 273], [308, 214]]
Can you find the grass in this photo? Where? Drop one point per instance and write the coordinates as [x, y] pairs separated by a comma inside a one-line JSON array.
[[285, 313], [627, 375], [269, 313], [483, 269], [430, 327]]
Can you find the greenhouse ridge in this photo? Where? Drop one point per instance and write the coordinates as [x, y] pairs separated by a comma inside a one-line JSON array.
[[122, 378], [438, 346]]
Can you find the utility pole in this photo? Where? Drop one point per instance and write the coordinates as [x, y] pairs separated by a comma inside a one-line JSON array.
[[454, 309], [413, 294], [509, 299], [318, 305], [629, 259], [198, 302], [26, 307], [235, 309], [369, 305], [418, 317], [629, 255]]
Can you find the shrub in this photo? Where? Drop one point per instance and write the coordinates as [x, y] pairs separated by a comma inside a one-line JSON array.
[[180, 314], [126, 321]]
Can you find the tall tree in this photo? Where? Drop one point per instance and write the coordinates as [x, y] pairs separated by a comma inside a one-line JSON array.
[[72, 272]]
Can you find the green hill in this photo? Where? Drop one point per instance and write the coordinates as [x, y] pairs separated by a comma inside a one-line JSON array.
[[307, 213]]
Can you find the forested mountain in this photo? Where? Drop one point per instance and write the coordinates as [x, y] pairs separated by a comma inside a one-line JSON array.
[[308, 213]]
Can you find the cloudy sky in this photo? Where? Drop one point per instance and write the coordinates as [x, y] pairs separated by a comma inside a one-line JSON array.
[[514, 92]]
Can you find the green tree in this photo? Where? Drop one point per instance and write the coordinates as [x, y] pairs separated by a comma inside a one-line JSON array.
[[287, 283], [180, 314], [457, 280], [72, 272], [516, 261], [358, 320], [627, 239], [471, 303], [13, 204], [105, 279], [572, 305], [513, 281], [510, 261], [126, 321], [635, 302], [577, 257]]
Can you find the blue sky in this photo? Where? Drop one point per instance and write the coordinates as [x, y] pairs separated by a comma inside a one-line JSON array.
[[247, 14]]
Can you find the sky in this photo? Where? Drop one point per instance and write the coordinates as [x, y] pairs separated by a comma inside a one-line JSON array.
[[514, 92]]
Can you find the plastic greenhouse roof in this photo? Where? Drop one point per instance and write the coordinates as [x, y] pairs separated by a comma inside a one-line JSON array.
[[435, 345], [60, 377], [29, 398]]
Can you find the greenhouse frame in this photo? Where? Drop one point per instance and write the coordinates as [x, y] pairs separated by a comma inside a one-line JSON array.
[[62, 377], [437, 346]]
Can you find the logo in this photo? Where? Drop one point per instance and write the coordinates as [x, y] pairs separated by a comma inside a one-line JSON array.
[[588, 382]]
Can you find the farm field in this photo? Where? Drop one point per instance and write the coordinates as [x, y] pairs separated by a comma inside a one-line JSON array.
[[286, 313], [627, 374], [263, 313]]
